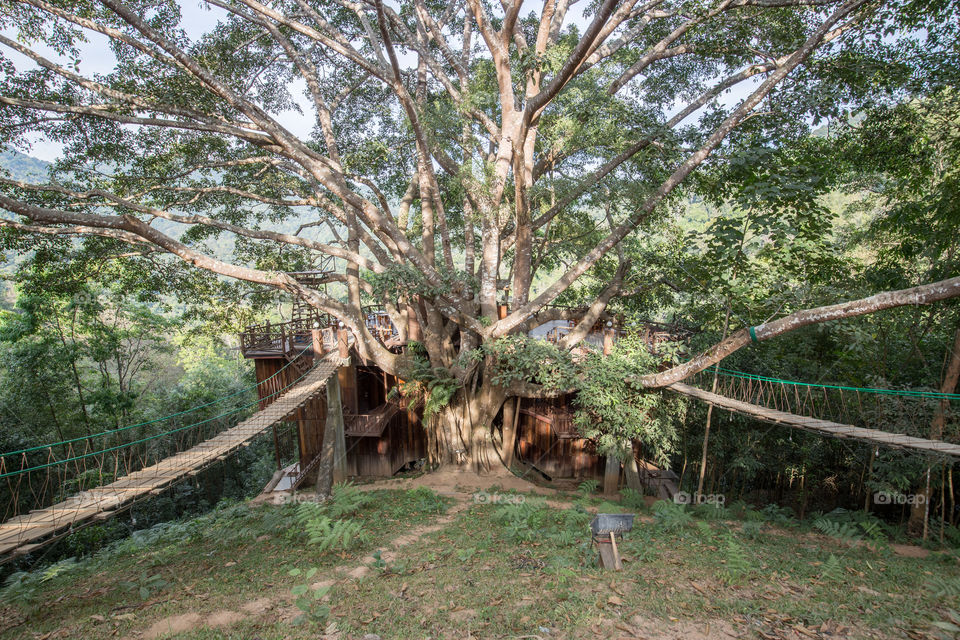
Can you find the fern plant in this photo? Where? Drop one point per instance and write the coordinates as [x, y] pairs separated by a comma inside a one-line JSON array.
[[751, 529], [736, 564], [433, 386], [943, 587], [588, 487], [631, 498], [347, 499], [329, 534], [832, 570], [844, 530], [671, 516]]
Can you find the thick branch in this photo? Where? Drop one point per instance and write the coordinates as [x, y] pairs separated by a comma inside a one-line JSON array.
[[923, 294]]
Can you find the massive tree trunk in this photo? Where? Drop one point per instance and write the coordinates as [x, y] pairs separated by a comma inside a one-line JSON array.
[[461, 435], [919, 510]]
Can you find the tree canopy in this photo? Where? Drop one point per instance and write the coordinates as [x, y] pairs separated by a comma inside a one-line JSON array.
[[461, 154]]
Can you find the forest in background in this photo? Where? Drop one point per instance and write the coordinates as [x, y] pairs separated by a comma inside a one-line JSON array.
[[94, 346]]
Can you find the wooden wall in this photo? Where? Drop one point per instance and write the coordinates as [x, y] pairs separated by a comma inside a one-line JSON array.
[[402, 441], [539, 445], [311, 419]]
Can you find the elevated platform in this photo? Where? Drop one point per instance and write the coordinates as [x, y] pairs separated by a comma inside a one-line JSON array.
[[29, 532]]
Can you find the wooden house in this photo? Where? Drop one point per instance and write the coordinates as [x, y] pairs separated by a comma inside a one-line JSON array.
[[383, 435]]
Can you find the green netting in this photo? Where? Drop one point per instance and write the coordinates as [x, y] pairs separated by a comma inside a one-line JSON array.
[[155, 420], [935, 395], [147, 438]]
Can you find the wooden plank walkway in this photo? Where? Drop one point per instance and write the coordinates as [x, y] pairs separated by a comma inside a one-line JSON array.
[[28, 532], [824, 427]]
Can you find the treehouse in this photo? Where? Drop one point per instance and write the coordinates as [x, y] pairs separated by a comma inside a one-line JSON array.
[[383, 433]]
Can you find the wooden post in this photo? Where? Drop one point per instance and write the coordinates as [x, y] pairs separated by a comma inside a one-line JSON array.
[[611, 476], [511, 415], [318, 347], [347, 385]]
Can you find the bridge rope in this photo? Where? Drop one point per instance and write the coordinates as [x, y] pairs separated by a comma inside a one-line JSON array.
[[156, 435], [155, 420], [913, 393], [25, 533], [36, 476]]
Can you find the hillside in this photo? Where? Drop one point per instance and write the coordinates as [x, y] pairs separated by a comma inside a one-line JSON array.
[[21, 166]]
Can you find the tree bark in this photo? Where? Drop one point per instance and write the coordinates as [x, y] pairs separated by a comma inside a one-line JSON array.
[[511, 416], [334, 422], [916, 525]]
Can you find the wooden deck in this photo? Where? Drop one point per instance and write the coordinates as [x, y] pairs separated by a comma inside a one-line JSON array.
[[28, 532], [823, 427]]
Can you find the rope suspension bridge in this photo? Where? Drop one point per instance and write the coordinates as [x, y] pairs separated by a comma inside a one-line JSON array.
[[45, 474], [828, 410], [83, 480]]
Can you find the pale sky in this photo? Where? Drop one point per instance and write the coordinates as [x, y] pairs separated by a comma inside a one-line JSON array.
[[198, 18]]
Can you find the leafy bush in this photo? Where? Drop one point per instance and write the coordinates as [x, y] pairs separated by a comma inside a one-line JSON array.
[[632, 499], [308, 600], [780, 516], [710, 512], [671, 516], [329, 534], [426, 500], [144, 585], [521, 358], [534, 521], [23, 588]]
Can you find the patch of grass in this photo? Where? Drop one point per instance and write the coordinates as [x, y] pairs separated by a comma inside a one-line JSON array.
[[222, 560], [524, 569]]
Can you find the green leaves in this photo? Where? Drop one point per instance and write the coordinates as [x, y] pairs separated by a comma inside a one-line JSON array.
[[434, 386], [522, 358], [612, 408]]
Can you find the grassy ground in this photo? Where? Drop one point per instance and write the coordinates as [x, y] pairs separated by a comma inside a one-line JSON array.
[[426, 566]]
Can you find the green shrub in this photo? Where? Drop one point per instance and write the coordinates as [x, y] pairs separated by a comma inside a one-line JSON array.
[[671, 516]]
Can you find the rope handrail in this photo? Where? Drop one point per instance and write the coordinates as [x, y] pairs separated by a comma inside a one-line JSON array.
[[933, 395], [154, 436], [155, 420]]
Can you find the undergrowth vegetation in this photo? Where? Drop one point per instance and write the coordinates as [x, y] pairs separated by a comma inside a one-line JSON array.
[[522, 567], [149, 562]]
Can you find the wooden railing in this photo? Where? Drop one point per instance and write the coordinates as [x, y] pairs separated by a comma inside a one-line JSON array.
[[370, 424], [286, 338]]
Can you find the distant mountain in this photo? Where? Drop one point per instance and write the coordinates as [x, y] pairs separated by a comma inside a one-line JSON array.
[[22, 167]]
